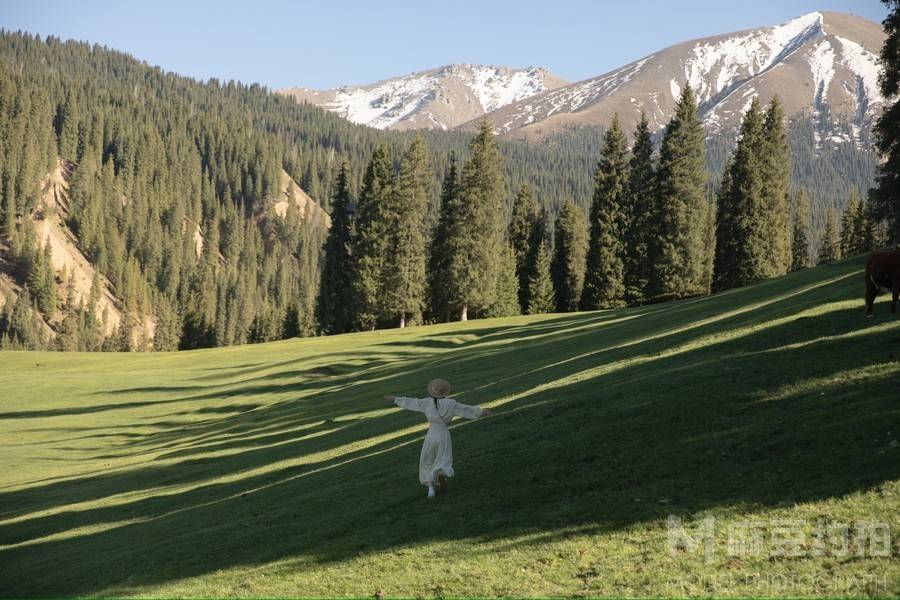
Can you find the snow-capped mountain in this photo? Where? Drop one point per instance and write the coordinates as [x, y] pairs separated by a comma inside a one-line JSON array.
[[824, 63], [440, 98]]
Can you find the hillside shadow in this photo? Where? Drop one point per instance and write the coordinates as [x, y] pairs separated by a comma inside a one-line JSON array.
[[643, 414]]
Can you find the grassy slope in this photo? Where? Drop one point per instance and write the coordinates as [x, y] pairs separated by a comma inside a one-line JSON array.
[[278, 469]]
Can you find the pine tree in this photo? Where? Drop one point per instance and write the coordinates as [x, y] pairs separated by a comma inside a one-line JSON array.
[[9, 210], [446, 234], [23, 328], [800, 239], [311, 181], [371, 241], [638, 212], [851, 225], [886, 196], [124, 334], [868, 230], [604, 282], [522, 235], [830, 246], [335, 289], [506, 299], [542, 297], [678, 245], [475, 265], [742, 249], [775, 165], [569, 256], [167, 335], [405, 278], [67, 128]]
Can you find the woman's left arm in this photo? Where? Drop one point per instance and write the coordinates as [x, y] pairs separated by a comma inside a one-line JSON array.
[[470, 412]]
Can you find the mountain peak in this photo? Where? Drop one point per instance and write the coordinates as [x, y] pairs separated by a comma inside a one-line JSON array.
[[820, 62], [439, 98]]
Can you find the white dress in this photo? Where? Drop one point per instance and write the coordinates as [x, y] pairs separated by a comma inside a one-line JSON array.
[[437, 451]]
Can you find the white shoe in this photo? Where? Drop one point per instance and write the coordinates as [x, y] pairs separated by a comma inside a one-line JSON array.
[[430, 492]]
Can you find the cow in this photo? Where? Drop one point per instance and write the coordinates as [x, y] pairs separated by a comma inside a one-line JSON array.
[[882, 273]]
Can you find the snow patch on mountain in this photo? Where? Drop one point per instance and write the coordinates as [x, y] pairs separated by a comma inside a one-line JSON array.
[[865, 65], [573, 97], [714, 67], [383, 104], [821, 63], [675, 89], [387, 103], [496, 87]]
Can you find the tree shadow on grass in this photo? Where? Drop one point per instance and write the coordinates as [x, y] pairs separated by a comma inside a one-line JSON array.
[[623, 421]]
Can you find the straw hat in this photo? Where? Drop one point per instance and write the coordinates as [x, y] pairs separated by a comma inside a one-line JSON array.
[[438, 388]]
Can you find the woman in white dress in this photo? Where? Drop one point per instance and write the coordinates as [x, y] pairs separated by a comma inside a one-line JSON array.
[[436, 460]]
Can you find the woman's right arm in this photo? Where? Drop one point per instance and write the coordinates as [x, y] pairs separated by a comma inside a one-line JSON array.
[[414, 404]]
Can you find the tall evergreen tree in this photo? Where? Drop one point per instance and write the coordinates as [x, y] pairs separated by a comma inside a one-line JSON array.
[[604, 282], [868, 229], [475, 265], [371, 241], [830, 246], [335, 300], [638, 213], [775, 164], [569, 256], [742, 249], [800, 239], [851, 227], [542, 297], [679, 242], [446, 234], [405, 280], [506, 298], [886, 196], [522, 235]]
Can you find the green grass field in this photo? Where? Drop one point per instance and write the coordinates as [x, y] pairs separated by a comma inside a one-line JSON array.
[[279, 470]]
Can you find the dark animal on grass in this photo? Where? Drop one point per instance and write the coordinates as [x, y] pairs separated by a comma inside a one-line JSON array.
[[882, 274]]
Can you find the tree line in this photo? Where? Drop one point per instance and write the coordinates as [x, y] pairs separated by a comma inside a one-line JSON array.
[[172, 185]]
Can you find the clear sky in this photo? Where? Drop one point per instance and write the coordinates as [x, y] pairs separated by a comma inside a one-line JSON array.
[[326, 43]]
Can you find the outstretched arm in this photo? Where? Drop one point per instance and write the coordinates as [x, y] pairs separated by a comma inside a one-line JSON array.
[[414, 404], [470, 412]]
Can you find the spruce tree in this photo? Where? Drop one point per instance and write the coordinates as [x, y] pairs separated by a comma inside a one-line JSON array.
[[678, 246], [775, 165], [886, 196], [868, 229], [851, 224], [446, 234], [542, 297], [335, 298], [569, 256], [638, 213], [371, 241], [405, 279], [604, 282], [743, 252], [9, 210], [522, 235], [800, 239], [476, 258], [830, 246], [506, 299]]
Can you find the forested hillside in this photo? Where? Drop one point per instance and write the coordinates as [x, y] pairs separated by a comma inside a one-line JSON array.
[[171, 193]]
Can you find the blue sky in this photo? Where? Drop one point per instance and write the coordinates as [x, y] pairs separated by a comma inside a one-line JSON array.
[[327, 43]]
